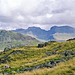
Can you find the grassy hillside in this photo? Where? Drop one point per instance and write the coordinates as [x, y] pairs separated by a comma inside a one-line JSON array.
[[11, 39], [55, 58], [66, 68]]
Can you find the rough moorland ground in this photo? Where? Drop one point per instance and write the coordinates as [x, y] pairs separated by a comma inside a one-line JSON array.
[[50, 58]]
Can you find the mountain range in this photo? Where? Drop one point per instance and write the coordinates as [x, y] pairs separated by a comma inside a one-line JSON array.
[[11, 39], [56, 33], [23, 37]]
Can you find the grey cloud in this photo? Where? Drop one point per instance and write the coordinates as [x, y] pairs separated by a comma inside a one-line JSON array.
[[37, 13], [6, 19]]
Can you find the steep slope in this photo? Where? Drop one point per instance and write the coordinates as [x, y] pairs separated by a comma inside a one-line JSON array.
[[54, 33], [11, 39], [53, 57]]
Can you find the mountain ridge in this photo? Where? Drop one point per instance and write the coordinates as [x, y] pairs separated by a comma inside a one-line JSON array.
[[51, 34]]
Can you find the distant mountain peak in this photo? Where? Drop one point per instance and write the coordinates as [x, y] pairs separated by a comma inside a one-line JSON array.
[[53, 27], [34, 28], [62, 29], [50, 34]]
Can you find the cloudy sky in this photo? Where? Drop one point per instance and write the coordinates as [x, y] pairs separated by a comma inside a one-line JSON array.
[[40, 13]]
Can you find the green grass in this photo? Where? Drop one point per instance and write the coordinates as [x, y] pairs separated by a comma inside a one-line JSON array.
[[67, 68], [11, 39], [31, 56]]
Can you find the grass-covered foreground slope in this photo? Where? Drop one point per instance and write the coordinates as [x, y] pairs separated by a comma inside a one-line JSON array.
[[51, 58], [67, 68], [11, 39]]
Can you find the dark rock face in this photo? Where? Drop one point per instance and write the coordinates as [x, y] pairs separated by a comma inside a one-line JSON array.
[[68, 53], [50, 53]]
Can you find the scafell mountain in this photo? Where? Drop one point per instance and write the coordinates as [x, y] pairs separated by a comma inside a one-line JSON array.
[[57, 33]]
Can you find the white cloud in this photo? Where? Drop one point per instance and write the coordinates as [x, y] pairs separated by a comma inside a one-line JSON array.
[[41, 13], [49, 15], [20, 18]]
